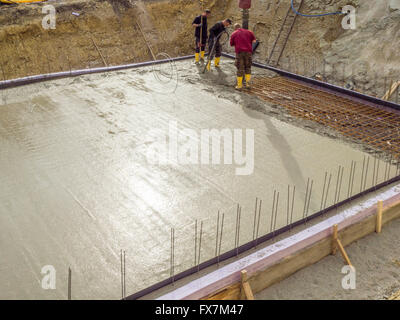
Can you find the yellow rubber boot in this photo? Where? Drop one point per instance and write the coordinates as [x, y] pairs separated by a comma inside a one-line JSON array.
[[217, 60], [202, 53], [196, 57], [248, 79], [209, 65], [239, 83]]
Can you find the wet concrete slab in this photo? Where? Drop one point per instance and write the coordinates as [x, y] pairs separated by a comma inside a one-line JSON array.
[[77, 187]]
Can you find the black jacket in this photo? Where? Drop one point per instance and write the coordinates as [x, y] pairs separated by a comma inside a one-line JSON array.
[[216, 30], [197, 20]]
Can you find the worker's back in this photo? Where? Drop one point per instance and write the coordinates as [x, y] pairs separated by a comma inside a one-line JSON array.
[[243, 39]]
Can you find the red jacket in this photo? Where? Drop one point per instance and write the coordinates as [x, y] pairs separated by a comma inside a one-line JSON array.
[[243, 39]]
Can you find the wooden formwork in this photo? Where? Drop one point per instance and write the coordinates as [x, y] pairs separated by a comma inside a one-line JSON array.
[[280, 260]]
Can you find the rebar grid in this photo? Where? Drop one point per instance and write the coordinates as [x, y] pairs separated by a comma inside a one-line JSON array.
[[375, 127]]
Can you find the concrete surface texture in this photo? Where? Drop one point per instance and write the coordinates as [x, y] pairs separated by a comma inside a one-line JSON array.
[[77, 185]]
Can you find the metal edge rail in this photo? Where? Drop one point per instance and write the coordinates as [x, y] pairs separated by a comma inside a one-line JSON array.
[[250, 245], [326, 85], [5, 84]]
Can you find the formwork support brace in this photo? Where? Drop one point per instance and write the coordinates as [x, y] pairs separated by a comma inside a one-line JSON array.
[[245, 289], [336, 243]]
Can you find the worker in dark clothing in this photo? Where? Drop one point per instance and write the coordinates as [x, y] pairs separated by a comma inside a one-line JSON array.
[[215, 32], [200, 23], [243, 40]]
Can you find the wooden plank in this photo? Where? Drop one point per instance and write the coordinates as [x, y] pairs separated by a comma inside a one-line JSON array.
[[395, 296]]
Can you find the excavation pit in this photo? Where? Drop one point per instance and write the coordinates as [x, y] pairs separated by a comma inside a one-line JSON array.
[[77, 186]]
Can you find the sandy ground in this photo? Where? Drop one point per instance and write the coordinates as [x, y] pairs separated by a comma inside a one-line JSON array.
[[77, 186], [377, 262]]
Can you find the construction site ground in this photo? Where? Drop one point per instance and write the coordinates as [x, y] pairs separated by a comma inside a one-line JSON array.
[[376, 259]]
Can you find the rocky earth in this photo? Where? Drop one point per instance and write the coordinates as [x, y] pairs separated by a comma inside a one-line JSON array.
[[109, 32]]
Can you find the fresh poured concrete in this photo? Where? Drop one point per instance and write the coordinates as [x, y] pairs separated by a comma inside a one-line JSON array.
[[76, 184]]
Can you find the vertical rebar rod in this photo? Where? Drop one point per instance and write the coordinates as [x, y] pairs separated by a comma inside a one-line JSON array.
[[195, 242], [273, 211], [199, 256], [362, 175], [327, 190], [255, 217], [288, 205], [259, 218], [366, 174], [216, 237], [374, 172], [337, 184], [340, 185], [323, 190], [220, 237], [239, 213], [350, 174], [276, 211], [69, 283], [306, 197], [309, 199], [124, 273], [377, 171], [352, 179], [122, 276], [291, 213]]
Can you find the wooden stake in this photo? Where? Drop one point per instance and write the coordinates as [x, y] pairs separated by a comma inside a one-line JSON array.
[[245, 290], [335, 238], [379, 217]]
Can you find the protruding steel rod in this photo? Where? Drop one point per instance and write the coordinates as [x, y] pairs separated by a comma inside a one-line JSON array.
[[327, 190], [276, 211], [69, 284], [273, 211], [306, 198], [323, 191], [255, 218], [362, 175], [195, 242], [291, 213], [199, 256], [366, 174], [258, 222], [309, 199], [220, 237], [216, 237]]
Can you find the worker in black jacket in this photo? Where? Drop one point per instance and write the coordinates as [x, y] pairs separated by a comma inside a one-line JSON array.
[[200, 23], [215, 32]]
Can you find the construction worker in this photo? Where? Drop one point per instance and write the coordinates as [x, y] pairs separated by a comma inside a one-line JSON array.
[[215, 32], [243, 40], [200, 23]]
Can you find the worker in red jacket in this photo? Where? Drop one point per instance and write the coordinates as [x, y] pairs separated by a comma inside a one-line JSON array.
[[242, 40]]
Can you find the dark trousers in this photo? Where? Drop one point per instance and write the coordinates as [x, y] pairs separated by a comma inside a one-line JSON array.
[[243, 63], [218, 47], [203, 45]]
